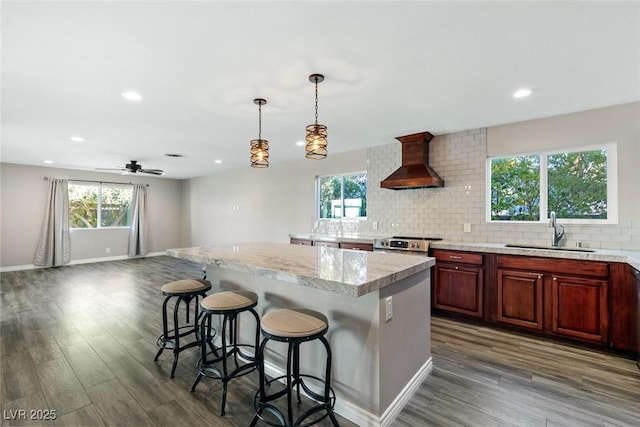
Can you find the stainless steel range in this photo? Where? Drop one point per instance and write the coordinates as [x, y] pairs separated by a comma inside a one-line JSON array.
[[402, 244]]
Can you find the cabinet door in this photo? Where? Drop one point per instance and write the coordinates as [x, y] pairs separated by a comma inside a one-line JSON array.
[[579, 308], [635, 281], [520, 298], [459, 289]]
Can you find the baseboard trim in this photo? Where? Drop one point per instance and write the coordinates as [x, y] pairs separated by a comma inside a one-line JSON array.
[[79, 261], [401, 400], [362, 417]]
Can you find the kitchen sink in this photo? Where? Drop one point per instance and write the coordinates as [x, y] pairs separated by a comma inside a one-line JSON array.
[[549, 248]]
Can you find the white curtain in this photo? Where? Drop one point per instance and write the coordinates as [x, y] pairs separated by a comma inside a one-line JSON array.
[[138, 230], [53, 248]]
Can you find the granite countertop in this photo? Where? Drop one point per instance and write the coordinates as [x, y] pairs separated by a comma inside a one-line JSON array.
[[346, 272], [630, 257], [609, 255]]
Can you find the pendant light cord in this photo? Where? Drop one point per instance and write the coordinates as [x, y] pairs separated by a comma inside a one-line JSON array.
[[260, 121], [316, 101]]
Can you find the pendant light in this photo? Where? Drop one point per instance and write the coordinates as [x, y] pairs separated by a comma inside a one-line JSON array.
[[259, 147], [316, 134]]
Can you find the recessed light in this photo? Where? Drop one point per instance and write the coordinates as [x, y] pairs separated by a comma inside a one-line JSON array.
[[77, 139], [131, 96], [300, 143], [522, 93], [217, 161], [48, 162]]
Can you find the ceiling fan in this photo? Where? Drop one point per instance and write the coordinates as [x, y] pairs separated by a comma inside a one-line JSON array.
[[134, 167]]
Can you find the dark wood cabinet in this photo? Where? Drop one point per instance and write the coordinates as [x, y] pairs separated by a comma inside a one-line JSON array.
[[332, 244], [459, 283], [560, 296], [635, 329], [357, 246], [305, 242], [520, 298], [579, 308], [591, 301]]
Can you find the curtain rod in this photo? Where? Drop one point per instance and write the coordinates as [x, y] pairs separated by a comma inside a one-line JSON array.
[[46, 178]]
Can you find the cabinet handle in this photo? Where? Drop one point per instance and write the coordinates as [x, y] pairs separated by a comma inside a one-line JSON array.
[[539, 276], [457, 267], [555, 278], [455, 257]]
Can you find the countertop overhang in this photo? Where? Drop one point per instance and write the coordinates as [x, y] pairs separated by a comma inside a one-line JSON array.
[[342, 271]]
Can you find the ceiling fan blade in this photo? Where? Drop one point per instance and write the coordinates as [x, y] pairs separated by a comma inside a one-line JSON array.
[[110, 169], [152, 171]]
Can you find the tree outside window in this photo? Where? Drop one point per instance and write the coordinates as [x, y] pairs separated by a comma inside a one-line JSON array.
[[576, 185], [515, 188], [342, 196], [99, 205]]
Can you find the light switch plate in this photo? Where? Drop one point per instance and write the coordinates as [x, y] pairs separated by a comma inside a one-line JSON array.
[[467, 227]]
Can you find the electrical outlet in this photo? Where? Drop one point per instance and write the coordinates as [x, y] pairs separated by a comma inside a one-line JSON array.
[[467, 227], [108, 250], [375, 225], [388, 308]]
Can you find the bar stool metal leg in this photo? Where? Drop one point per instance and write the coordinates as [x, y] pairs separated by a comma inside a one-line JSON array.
[[229, 305], [294, 327], [183, 291]]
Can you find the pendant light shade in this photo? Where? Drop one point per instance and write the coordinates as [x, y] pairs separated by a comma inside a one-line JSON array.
[[259, 147], [316, 138]]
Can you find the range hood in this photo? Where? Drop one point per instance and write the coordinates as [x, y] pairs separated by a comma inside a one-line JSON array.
[[415, 171]]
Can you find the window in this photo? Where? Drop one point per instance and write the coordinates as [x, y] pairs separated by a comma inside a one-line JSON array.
[[342, 196], [99, 205], [579, 186]]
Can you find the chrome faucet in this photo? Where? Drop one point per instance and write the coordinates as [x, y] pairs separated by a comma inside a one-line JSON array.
[[557, 235]]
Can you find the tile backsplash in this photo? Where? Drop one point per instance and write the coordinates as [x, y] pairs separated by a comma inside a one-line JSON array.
[[460, 159]]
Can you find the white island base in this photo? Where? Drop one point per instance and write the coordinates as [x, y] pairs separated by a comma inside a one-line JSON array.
[[377, 364]]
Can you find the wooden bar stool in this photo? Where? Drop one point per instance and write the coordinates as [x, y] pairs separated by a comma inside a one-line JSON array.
[[228, 304], [184, 291], [294, 326]]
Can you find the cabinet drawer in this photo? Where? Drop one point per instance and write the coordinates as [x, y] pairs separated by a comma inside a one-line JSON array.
[[356, 246], [554, 265], [457, 256]]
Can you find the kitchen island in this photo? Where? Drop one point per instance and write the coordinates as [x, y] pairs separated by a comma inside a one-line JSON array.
[[377, 362]]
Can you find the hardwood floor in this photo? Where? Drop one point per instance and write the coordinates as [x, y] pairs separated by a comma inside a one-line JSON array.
[[80, 340]]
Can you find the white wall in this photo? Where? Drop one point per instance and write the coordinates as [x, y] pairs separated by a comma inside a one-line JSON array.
[[268, 204], [460, 159], [23, 198], [259, 204]]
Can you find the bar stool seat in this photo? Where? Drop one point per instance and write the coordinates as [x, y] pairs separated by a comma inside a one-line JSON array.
[[294, 326], [228, 304], [184, 291]]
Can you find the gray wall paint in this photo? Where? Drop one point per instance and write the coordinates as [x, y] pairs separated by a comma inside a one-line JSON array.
[[260, 204], [268, 204], [23, 196]]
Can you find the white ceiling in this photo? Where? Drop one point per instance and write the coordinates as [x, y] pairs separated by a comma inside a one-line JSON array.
[[392, 68]]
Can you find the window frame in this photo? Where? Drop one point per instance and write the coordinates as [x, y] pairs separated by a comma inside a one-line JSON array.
[[100, 186], [318, 193], [612, 184]]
